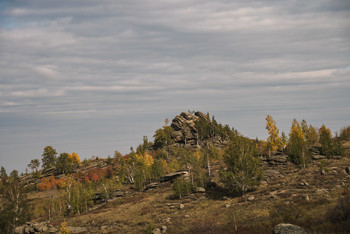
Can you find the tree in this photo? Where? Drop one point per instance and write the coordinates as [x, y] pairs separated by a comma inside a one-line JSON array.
[[312, 136], [210, 152], [3, 174], [162, 137], [15, 207], [325, 141], [274, 141], [34, 165], [66, 163], [284, 141], [243, 171], [305, 129], [296, 145], [48, 157]]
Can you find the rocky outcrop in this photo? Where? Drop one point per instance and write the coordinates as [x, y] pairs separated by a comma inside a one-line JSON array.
[[185, 131], [172, 176], [42, 227], [287, 228]]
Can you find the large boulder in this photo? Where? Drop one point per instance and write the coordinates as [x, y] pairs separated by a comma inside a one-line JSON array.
[[287, 228], [172, 176]]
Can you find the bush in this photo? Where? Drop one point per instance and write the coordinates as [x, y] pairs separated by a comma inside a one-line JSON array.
[[341, 211], [181, 188], [243, 168]]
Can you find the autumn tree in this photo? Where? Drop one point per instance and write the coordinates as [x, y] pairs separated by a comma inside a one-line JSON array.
[[49, 157], [243, 171], [66, 163], [296, 145], [312, 136], [274, 141]]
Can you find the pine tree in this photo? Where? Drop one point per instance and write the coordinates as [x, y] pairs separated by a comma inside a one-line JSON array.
[[326, 141], [297, 146]]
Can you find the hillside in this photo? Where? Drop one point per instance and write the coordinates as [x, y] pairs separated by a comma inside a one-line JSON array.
[[118, 200]]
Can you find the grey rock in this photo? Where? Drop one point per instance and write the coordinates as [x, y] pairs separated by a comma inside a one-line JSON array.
[[318, 157], [287, 228], [156, 231], [52, 230], [151, 186], [173, 176], [77, 229], [200, 190], [164, 229], [19, 230]]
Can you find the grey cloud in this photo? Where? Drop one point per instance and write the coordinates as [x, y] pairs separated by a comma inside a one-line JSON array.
[[92, 66]]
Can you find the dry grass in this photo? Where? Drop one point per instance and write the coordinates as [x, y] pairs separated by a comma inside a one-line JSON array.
[[132, 213]]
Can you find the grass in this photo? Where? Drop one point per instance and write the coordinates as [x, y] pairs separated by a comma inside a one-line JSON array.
[[280, 200]]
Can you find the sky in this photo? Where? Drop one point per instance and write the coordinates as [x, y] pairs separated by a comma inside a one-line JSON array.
[[93, 77]]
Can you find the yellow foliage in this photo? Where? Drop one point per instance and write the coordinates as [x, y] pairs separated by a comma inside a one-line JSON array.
[[64, 228], [145, 158], [198, 154], [274, 140], [74, 156], [296, 130]]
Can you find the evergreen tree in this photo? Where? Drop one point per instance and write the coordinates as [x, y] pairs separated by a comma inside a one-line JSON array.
[[326, 141], [297, 146]]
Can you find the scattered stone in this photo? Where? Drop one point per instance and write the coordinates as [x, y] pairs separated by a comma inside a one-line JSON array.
[[305, 197], [118, 194], [187, 216], [225, 198], [181, 206], [318, 157], [29, 227], [164, 229], [227, 205], [287, 228], [278, 159], [77, 229], [156, 231], [251, 198], [200, 190]]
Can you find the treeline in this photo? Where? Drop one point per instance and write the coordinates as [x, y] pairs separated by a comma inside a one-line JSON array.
[[302, 139]]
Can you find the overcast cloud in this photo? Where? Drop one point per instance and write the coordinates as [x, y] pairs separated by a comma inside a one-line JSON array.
[[95, 76]]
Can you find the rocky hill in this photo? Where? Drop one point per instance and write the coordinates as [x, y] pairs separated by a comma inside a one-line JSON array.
[[315, 198]]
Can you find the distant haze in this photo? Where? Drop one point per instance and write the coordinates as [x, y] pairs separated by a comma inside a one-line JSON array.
[[96, 76]]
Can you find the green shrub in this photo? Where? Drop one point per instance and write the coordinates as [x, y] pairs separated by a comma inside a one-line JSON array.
[[181, 188]]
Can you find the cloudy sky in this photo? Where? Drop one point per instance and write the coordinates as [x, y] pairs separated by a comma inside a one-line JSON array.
[[95, 76]]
